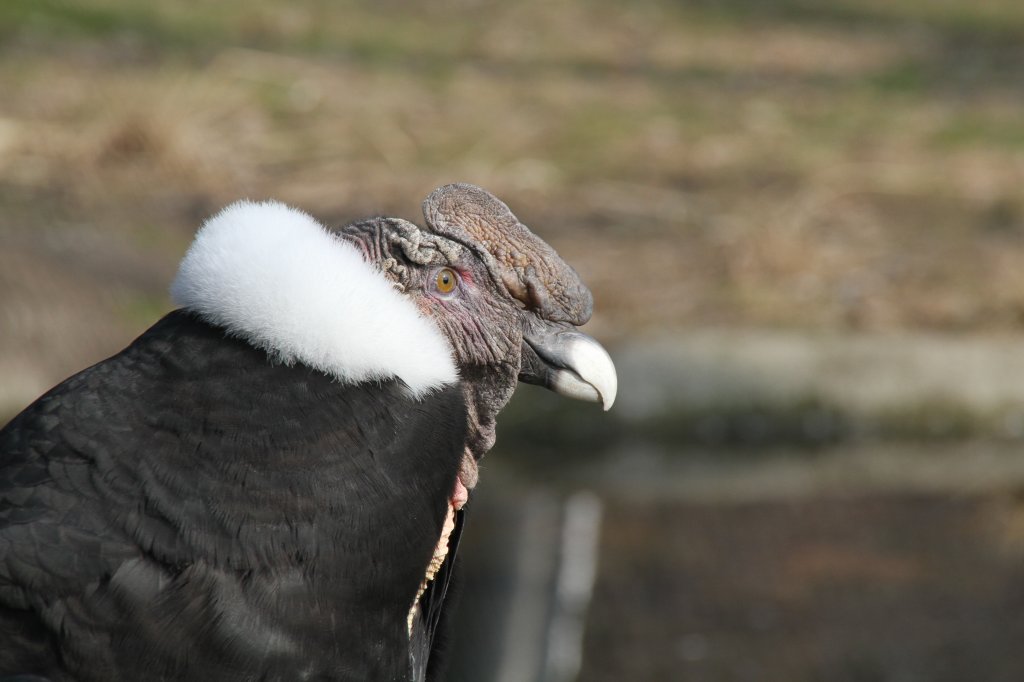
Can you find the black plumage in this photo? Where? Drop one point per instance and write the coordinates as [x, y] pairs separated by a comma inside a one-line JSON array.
[[226, 508]]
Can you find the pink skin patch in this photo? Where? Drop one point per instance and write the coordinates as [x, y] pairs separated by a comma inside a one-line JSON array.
[[460, 496]]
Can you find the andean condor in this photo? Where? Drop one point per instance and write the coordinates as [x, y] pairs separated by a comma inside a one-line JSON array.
[[268, 483]]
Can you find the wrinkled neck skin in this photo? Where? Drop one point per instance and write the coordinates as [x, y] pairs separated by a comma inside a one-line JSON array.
[[488, 367], [485, 397]]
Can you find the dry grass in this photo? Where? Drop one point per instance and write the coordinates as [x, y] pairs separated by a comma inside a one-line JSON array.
[[762, 163]]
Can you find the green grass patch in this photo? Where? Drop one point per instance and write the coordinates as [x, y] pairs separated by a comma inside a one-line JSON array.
[[58, 20], [977, 130], [992, 22], [142, 310]]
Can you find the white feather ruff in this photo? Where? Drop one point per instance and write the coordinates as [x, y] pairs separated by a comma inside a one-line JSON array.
[[275, 277]]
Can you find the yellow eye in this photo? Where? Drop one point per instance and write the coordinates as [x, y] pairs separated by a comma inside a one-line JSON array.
[[446, 280]]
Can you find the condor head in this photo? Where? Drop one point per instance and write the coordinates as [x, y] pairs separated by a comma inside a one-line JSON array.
[[506, 302]]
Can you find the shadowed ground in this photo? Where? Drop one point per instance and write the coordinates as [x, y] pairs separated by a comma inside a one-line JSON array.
[[917, 587]]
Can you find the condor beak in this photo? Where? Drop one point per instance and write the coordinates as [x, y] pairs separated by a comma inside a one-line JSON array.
[[571, 364]]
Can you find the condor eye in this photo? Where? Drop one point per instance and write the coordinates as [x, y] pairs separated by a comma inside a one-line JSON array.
[[446, 280]]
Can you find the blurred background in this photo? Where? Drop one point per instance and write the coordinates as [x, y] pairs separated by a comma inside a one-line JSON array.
[[804, 228]]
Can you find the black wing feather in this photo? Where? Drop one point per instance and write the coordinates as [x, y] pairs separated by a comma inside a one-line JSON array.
[[436, 606], [189, 510]]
